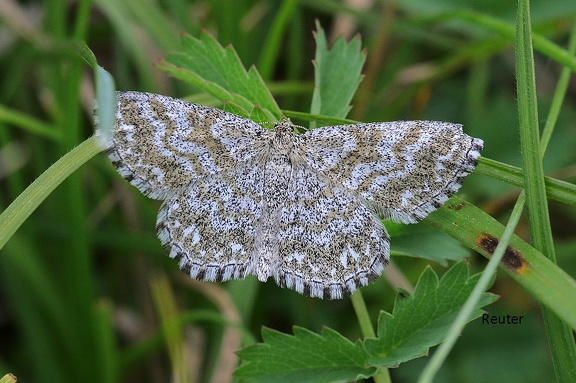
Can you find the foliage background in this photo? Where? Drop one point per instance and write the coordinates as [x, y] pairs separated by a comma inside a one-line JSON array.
[[92, 242]]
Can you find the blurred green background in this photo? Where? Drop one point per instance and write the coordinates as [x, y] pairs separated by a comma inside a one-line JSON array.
[[85, 284]]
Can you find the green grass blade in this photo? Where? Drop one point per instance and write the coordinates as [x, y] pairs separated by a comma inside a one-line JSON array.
[[121, 20], [30, 124], [547, 282], [435, 363], [556, 189], [154, 21], [483, 284], [503, 28], [166, 307], [21, 208], [559, 95], [383, 374], [560, 337], [272, 45]]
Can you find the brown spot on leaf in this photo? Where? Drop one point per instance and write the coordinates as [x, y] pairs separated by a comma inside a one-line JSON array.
[[456, 206], [512, 258]]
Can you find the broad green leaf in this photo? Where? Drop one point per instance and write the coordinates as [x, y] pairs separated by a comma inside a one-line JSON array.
[[337, 74], [217, 70], [477, 230], [303, 357], [421, 320], [420, 241], [234, 108], [418, 322], [261, 115]]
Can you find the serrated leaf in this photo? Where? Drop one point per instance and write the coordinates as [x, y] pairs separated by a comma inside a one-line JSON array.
[[217, 70], [337, 74], [236, 109], [421, 320], [418, 322], [261, 115], [303, 357]]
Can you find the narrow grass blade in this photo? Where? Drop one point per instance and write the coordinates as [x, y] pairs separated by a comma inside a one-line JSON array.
[[21, 208]]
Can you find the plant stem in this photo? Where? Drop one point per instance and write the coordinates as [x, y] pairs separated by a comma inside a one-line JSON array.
[[383, 375]]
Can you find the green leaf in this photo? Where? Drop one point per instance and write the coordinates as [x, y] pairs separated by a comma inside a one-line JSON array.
[[337, 74], [217, 70], [421, 241], [303, 357], [234, 108], [421, 320], [477, 230], [261, 115], [418, 322]]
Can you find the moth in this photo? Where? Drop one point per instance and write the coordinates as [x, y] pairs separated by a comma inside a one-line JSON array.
[[304, 209]]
